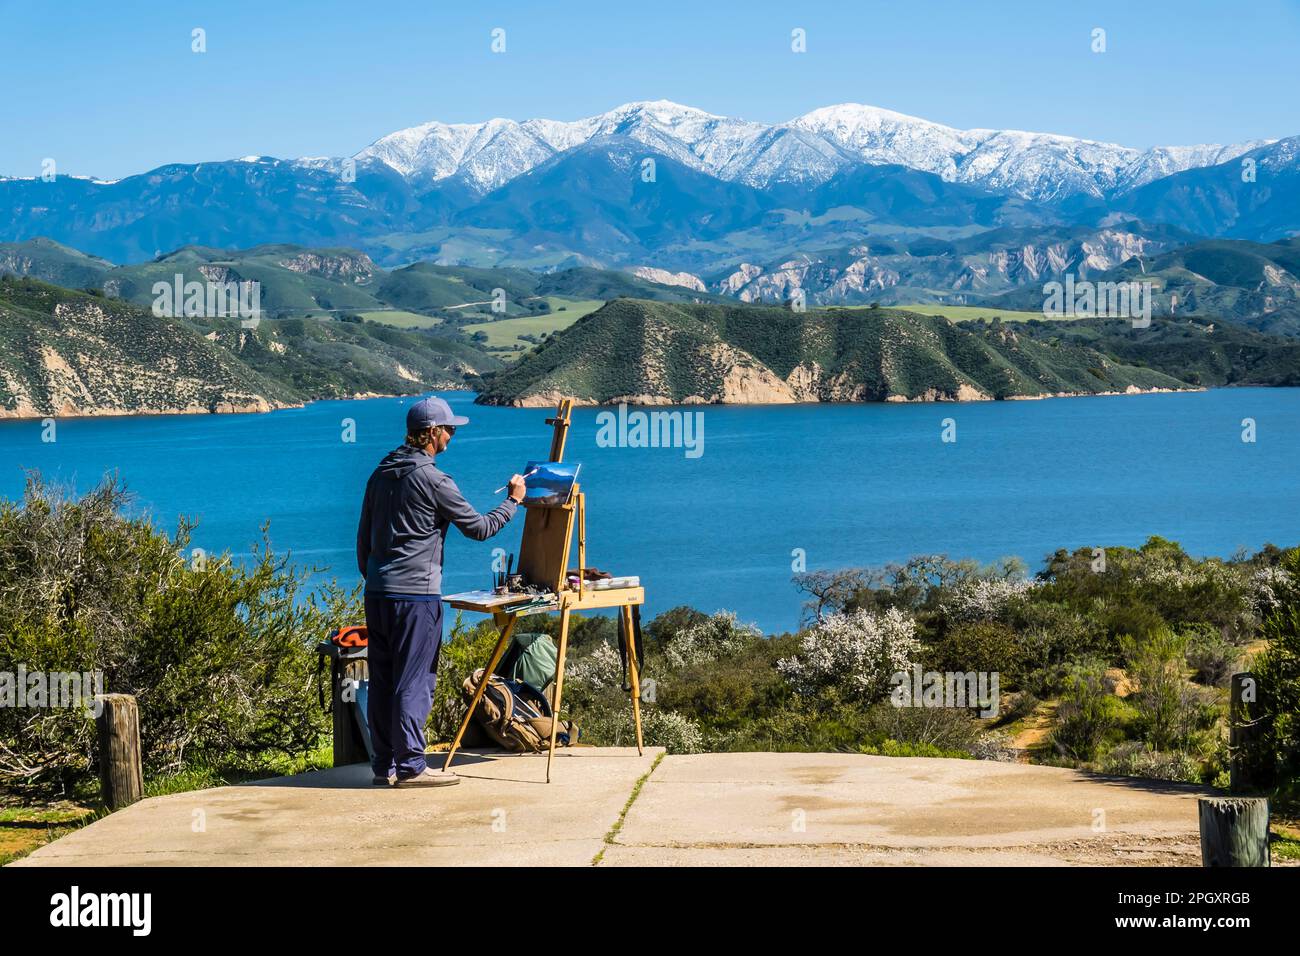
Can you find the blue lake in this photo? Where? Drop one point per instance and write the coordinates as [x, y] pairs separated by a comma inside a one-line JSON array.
[[849, 485]]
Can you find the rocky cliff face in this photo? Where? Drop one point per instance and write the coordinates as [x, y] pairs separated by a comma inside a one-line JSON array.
[[354, 267], [684, 279], [861, 274]]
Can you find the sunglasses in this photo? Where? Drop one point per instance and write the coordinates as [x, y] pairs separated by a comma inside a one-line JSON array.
[[449, 429]]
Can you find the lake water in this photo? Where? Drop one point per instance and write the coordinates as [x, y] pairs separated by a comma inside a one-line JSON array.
[[843, 485]]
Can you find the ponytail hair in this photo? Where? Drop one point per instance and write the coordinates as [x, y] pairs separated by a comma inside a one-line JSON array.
[[421, 438]]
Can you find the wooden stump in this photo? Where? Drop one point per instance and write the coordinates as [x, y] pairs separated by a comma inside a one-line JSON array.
[[1234, 831], [121, 772]]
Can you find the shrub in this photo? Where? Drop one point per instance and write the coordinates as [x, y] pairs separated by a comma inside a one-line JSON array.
[[983, 599], [994, 745], [980, 646], [662, 629], [858, 651], [1212, 657], [712, 639], [602, 669], [949, 729], [1278, 673], [1136, 759], [1156, 664], [1274, 587], [220, 656], [1018, 706], [1130, 617], [1053, 633], [675, 732], [1086, 712]]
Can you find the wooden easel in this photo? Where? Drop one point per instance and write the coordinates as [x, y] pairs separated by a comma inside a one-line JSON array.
[[544, 560]]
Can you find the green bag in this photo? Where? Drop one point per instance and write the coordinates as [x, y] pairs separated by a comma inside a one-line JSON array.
[[532, 660]]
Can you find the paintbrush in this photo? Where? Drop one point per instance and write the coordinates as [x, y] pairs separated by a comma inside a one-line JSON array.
[[531, 471]]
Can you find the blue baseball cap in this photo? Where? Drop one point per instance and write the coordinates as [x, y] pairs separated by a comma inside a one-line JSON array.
[[429, 412]]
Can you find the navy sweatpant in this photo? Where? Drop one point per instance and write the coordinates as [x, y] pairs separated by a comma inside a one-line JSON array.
[[405, 636]]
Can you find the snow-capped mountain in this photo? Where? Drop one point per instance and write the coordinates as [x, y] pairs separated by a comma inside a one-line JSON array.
[[807, 150], [488, 155]]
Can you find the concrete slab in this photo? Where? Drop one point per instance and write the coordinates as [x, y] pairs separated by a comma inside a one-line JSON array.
[[789, 809], [502, 812], [750, 809]]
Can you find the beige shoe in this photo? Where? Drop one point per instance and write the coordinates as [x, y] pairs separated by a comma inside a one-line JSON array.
[[430, 778]]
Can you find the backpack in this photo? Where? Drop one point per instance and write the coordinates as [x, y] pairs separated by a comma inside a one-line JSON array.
[[516, 715], [531, 660]]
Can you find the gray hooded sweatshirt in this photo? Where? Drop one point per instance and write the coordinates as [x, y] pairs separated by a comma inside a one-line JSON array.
[[408, 507]]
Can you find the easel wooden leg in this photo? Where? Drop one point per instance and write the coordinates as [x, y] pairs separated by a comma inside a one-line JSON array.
[[633, 672], [559, 688], [492, 663]]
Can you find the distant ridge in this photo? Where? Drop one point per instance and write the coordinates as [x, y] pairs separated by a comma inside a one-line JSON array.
[[663, 353]]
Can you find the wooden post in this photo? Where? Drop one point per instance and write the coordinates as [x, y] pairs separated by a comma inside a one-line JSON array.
[[121, 771], [1234, 831], [1244, 733]]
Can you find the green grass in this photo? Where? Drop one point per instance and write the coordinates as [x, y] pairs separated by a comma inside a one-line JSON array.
[[1285, 848], [401, 319], [504, 334], [618, 824], [963, 313], [26, 829]]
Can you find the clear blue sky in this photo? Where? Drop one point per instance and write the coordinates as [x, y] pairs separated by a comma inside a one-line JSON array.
[[110, 89]]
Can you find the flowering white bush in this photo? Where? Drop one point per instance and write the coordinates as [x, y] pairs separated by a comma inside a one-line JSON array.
[[601, 668], [1238, 592], [982, 599], [709, 640], [1272, 585], [859, 651]]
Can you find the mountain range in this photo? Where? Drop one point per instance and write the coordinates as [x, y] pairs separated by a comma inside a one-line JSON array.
[[552, 194], [807, 150], [998, 271]]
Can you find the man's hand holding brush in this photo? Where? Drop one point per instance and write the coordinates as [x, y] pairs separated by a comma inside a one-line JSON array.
[[516, 486]]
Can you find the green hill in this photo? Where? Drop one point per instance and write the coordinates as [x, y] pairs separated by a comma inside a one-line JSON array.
[[298, 280], [651, 352], [1253, 284], [54, 262], [293, 280], [76, 353], [341, 359], [1199, 351]]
